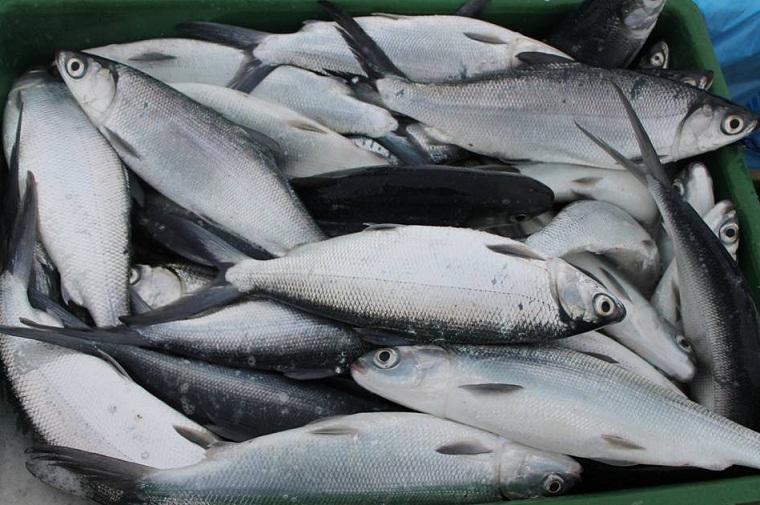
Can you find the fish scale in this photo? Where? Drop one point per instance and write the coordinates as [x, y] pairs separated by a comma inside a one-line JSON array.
[[419, 280], [426, 48], [77, 174]]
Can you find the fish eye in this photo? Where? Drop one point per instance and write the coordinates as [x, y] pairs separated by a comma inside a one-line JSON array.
[[134, 276], [657, 59], [683, 343], [75, 67], [733, 124], [604, 305], [385, 358], [678, 186], [519, 218], [729, 233], [554, 484]]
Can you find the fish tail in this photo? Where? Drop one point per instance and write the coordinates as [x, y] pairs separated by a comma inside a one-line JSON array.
[[250, 75], [235, 36], [105, 479], [371, 58], [80, 339]]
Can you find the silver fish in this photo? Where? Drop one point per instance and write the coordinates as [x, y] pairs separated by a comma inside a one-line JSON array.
[[83, 199], [160, 285], [341, 459], [723, 221], [72, 399], [427, 48], [695, 184], [429, 283], [568, 403], [529, 114], [721, 319], [604, 229], [179, 60], [575, 182], [308, 147], [599, 346], [193, 155], [607, 33], [643, 330], [324, 99]]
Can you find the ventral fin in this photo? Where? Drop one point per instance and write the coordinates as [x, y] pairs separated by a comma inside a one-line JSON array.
[[121, 146], [621, 442], [587, 182], [491, 388], [382, 226], [602, 357], [334, 430], [307, 127], [539, 58], [463, 448], [205, 440], [485, 38], [516, 249]]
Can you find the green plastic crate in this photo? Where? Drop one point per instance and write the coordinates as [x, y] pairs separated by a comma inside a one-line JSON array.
[[31, 30]]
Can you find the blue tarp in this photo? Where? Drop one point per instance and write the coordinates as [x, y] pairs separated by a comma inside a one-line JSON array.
[[735, 31]]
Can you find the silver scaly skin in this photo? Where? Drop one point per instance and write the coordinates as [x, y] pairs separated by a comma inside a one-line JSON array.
[[373, 458], [608, 33], [604, 229], [326, 100], [723, 221], [190, 153], [529, 114], [78, 174], [595, 344], [160, 285], [178, 60], [434, 283], [426, 48], [643, 330], [568, 403], [309, 148]]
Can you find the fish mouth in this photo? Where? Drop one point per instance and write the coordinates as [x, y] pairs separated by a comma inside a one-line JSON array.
[[357, 368]]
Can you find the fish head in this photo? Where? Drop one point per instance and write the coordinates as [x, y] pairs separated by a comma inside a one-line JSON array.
[[639, 16], [673, 352], [696, 187], [723, 221], [713, 123], [91, 79], [156, 285], [530, 473], [408, 375], [585, 303]]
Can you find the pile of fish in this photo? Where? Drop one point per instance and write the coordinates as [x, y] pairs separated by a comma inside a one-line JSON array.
[[384, 259]]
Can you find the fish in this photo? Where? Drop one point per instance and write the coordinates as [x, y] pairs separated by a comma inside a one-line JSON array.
[[13, 107], [422, 283], [179, 147], [658, 56], [643, 330], [256, 333], [568, 403], [180, 60], [77, 174], [602, 347], [431, 195], [666, 298], [604, 229], [69, 398], [428, 48], [695, 184], [700, 79], [326, 100], [528, 114], [237, 404], [160, 285], [607, 33], [308, 147], [434, 461], [574, 182], [721, 319]]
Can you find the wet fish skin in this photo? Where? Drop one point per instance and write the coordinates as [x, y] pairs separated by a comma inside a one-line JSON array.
[[324, 99], [607, 33], [78, 174], [575, 182], [569, 403], [179, 60], [434, 283], [160, 285], [178, 146], [605, 229], [309, 148], [434, 460], [437, 152], [597, 345], [722, 219]]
